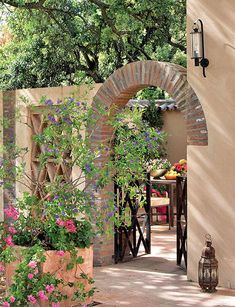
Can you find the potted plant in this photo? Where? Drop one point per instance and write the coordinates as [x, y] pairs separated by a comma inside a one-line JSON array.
[[46, 237], [159, 167]]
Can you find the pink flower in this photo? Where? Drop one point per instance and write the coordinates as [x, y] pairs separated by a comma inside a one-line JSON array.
[[55, 304], [32, 264], [59, 222], [60, 253], [12, 213], [50, 288], [42, 296], [12, 230], [32, 299], [12, 299], [5, 304], [9, 241], [2, 268], [69, 225], [30, 276]]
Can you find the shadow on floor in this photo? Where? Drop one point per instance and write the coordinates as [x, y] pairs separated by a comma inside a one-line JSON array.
[[154, 280]]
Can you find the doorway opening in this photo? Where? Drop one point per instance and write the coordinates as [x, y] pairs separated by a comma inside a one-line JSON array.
[[119, 88]]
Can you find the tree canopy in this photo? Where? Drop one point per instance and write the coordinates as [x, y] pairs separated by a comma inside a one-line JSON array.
[[61, 42]]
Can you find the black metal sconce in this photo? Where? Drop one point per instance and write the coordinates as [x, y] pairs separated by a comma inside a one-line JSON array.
[[197, 45]]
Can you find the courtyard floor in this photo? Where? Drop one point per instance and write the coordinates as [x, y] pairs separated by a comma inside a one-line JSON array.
[[154, 280]]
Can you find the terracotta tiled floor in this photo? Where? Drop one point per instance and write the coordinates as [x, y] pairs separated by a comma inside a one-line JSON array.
[[154, 280]]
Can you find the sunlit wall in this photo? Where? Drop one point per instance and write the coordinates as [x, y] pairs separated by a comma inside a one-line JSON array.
[[211, 188]]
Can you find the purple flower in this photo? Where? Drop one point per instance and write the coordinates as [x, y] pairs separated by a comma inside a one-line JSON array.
[[71, 99], [88, 168], [68, 120], [58, 100], [78, 103], [57, 216], [49, 102], [51, 118], [110, 214], [75, 209]]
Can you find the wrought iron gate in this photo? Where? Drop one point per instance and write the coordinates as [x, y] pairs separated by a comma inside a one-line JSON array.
[[181, 212], [128, 238]]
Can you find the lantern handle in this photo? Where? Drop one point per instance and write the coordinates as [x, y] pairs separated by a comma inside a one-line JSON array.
[[208, 237]]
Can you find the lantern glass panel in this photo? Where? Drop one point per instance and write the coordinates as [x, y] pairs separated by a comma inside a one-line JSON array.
[[196, 42]]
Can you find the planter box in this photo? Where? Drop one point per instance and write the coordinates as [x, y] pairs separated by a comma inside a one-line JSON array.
[[56, 265]]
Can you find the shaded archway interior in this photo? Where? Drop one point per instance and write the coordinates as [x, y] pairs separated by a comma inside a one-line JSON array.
[[122, 85]]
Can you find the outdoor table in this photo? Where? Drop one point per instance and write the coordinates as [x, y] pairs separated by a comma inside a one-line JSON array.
[[171, 184]]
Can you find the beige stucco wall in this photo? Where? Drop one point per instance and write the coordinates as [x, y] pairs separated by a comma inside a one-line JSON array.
[[175, 126], [23, 132], [211, 180]]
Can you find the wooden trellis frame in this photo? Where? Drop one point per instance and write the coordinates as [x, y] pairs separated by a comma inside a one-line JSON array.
[[52, 169]]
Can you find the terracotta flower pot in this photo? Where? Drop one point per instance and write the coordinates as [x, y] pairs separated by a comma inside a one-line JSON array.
[[56, 265]]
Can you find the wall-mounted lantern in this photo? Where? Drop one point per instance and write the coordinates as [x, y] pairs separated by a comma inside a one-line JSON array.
[[208, 268], [197, 45]]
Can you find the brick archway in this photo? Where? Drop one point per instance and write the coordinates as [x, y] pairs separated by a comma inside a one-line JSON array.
[[123, 85]]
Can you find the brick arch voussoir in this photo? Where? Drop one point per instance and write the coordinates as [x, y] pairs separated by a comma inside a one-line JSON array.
[[129, 79]]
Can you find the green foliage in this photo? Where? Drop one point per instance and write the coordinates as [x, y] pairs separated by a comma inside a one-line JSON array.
[[151, 93], [57, 214], [153, 116], [136, 143], [65, 42]]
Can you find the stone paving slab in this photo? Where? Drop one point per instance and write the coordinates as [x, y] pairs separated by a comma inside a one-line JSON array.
[[155, 281]]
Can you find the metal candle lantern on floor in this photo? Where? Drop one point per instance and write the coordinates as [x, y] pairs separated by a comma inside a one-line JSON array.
[[208, 268]]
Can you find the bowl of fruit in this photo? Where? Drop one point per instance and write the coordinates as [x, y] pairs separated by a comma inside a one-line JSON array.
[[171, 175]]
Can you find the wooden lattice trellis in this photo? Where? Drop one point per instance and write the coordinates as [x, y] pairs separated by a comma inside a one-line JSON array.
[[52, 169]]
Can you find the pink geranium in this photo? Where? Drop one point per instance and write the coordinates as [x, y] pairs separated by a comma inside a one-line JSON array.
[[2, 268], [12, 230], [59, 222], [5, 304], [32, 264], [32, 299], [30, 276], [12, 213], [12, 299], [60, 253], [69, 225], [55, 304], [50, 288], [9, 241], [42, 295]]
